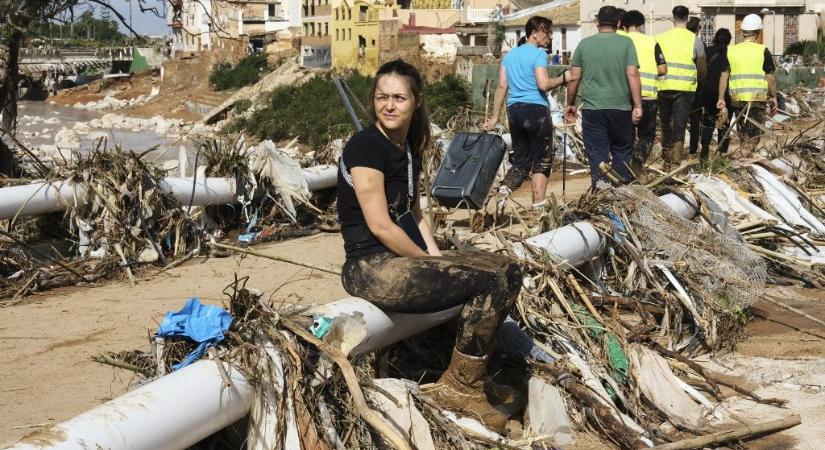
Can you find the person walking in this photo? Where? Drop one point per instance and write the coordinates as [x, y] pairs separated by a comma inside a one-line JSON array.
[[605, 65], [652, 64], [392, 259], [686, 65], [694, 25], [750, 79], [717, 55], [523, 80]]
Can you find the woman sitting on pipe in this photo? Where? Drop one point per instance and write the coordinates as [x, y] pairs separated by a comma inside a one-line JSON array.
[[393, 260]]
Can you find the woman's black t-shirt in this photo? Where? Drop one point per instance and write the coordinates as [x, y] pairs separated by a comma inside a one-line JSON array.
[[370, 148]]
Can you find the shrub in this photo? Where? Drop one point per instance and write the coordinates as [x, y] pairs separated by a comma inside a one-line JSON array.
[[807, 48], [315, 113], [446, 97], [242, 105], [247, 71]]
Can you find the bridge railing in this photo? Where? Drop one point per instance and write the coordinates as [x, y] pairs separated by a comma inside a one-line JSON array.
[[56, 55]]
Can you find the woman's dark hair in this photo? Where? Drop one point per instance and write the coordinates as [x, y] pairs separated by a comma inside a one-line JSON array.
[[633, 18], [537, 23], [522, 41], [722, 37], [419, 134]]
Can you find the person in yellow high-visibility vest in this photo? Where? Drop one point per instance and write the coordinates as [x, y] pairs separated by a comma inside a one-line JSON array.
[[652, 64], [686, 65], [750, 80]]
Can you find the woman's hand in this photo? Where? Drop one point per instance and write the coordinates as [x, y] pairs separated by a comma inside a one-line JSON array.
[[369, 189]]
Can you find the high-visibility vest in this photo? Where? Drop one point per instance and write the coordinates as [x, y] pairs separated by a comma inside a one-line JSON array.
[[677, 45], [747, 82], [646, 52]]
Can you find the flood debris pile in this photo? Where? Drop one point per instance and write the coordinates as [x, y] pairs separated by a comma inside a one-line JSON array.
[[126, 211]]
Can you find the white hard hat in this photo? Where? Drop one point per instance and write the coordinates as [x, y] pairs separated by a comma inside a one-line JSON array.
[[752, 22]]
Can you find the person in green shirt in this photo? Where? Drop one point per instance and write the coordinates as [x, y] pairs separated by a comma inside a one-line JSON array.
[[606, 68]]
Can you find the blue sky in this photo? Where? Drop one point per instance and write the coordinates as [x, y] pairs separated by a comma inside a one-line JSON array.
[[144, 23]]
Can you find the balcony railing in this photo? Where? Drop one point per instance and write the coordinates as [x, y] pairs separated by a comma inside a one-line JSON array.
[[476, 15]]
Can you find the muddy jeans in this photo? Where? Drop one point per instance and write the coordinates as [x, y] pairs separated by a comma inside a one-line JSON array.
[[674, 112], [746, 128], [486, 283], [531, 129]]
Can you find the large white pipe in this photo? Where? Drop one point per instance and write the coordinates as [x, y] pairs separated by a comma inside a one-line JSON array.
[[172, 412], [42, 197]]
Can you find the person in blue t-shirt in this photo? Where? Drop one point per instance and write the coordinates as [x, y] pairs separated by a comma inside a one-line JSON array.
[[556, 59], [523, 79]]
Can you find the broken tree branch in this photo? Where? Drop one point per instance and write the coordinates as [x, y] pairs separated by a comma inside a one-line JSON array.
[[369, 416], [737, 434]]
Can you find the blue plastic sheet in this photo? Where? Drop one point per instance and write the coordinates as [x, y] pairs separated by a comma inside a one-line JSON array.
[[204, 324]]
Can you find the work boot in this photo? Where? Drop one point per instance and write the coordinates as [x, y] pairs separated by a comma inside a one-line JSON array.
[[461, 390], [677, 153]]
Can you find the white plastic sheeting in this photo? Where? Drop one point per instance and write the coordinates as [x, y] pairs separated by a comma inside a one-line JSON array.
[[785, 201]]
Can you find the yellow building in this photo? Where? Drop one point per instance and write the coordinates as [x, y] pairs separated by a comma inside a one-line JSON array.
[[356, 31]]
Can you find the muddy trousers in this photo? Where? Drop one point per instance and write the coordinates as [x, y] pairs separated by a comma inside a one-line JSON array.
[[486, 283], [674, 113], [746, 127], [531, 129], [646, 131]]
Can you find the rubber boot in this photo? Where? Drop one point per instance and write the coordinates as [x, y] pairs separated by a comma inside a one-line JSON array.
[[677, 153], [461, 390]]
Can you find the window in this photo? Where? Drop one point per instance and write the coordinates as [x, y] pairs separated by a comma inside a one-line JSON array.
[[707, 28], [372, 42], [336, 14], [349, 34], [271, 11], [362, 13], [326, 29], [791, 29], [337, 36]]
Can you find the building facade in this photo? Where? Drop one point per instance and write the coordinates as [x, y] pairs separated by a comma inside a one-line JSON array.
[[316, 40], [566, 25], [784, 21], [357, 28]]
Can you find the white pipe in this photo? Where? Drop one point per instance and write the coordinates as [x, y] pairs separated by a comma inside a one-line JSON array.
[[321, 177], [42, 197], [580, 242], [384, 328], [172, 412]]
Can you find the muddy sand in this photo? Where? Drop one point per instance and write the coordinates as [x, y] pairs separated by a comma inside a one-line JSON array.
[[48, 340]]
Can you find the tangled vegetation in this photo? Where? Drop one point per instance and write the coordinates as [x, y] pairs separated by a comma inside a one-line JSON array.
[[248, 71], [807, 48], [313, 111]]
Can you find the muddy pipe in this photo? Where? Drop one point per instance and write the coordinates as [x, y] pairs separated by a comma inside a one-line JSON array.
[[45, 197]]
